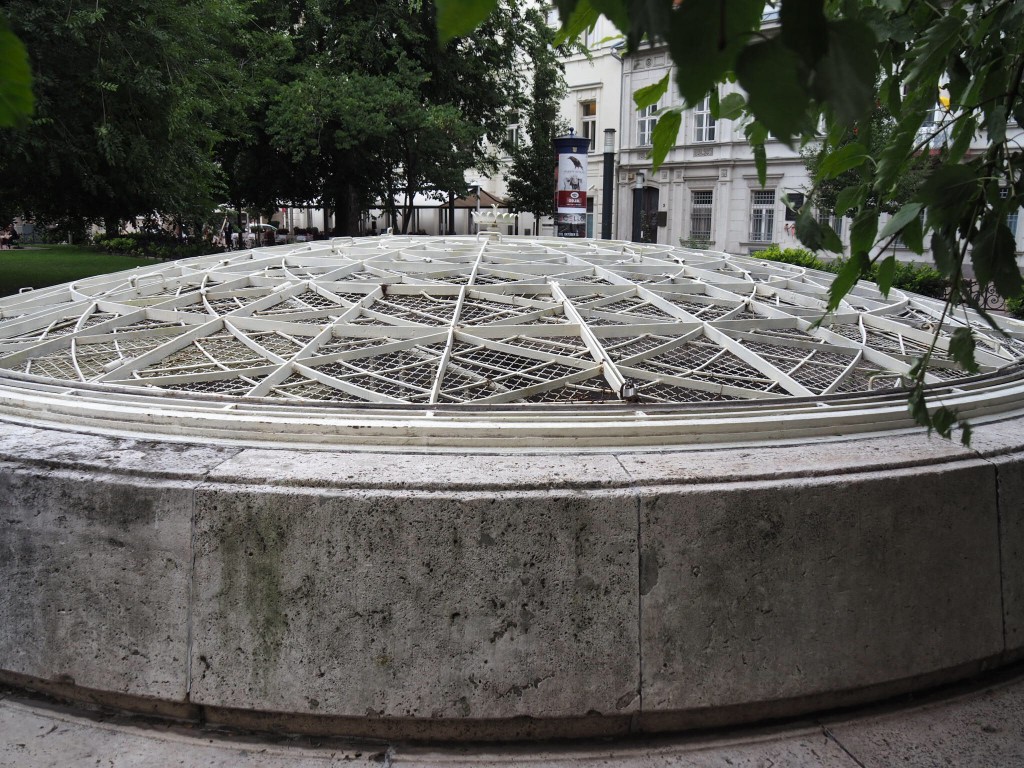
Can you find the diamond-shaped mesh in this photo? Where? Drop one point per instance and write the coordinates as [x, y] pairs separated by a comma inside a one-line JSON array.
[[394, 348], [216, 387], [421, 308], [680, 359], [480, 311], [621, 348], [593, 390]]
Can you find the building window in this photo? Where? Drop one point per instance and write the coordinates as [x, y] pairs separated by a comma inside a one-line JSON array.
[[762, 215], [590, 217], [512, 137], [645, 125], [700, 214], [828, 217], [704, 123], [588, 122]]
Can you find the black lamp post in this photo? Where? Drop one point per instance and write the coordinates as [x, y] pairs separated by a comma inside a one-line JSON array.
[[609, 184]]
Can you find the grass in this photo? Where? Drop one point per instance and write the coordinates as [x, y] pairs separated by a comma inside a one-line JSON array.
[[38, 266]]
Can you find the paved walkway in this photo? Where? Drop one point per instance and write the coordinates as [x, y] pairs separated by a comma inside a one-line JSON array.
[[981, 726]]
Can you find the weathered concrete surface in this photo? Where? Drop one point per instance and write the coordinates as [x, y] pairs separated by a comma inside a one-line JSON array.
[[416, 605], [1010, 472], [422, 471], [95, 574], [762, 591], [457, 589]]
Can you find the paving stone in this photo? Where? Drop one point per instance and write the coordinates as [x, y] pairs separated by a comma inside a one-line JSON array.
[[983, 730]]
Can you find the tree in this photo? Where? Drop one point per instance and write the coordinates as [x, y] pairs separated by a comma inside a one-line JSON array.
[[829, 64], [16, 99], [533, 159], [827, 190], [129, 99], [383, 112]]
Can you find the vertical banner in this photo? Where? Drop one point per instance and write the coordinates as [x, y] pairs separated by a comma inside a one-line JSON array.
[[571, 185]]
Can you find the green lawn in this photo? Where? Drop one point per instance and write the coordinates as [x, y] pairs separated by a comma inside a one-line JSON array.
[[38, 266]]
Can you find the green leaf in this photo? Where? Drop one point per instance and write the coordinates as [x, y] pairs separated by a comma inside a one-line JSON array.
[[908, 212], [16, 99], [731, 107], [964, 131], [831, 241], [945, 255], [845, 76], [582, 17], [932, 49], [890, 95], [851, 272], [886, 273], [994, 257], [663, 138], [650, 95], [850, 197], [841, 160], [950, 189], [966, 433], [704, 41], [913, 235], [460, 17], [942, 421], [961, 347], [808, 230], [918, 407], [995, 123], [770, 74], [863, 231], [804, 29], [761, 164], [616, 11]]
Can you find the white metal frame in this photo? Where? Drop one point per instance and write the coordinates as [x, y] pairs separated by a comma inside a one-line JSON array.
[[329, 335]]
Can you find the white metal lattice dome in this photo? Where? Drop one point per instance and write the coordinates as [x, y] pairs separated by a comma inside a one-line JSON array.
[[482, 341]]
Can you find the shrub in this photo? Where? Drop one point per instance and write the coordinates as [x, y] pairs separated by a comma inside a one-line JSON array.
[[1015, 307], [916, 278], [118, 244]]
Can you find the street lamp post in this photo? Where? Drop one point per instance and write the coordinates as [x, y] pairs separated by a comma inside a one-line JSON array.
[[609, 182]]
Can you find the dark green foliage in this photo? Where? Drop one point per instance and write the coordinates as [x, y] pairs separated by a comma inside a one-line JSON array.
[[16, 99], [377, 110], [152, 245], [129, 95], [530, 178], [916, 278]]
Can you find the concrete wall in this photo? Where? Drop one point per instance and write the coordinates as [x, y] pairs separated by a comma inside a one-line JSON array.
[[477, 596]]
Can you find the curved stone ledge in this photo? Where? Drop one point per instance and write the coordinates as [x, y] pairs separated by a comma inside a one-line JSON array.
[[506, 596]]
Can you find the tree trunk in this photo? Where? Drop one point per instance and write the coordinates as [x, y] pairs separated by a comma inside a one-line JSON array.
[[112, 225], [346, 212]]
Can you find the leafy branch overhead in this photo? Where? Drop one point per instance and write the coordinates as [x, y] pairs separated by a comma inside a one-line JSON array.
[[888, 96]]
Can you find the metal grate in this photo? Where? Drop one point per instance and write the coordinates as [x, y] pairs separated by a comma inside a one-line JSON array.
[[498, 304]]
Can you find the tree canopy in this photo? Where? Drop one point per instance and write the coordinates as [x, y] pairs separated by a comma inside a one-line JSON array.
[[130, 97], [177, 105], [533, 154]]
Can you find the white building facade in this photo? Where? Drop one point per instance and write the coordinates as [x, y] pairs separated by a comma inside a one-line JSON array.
[[706, 192]]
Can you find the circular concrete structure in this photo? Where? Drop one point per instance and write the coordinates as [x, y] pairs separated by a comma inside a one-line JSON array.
[[496, 488]]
